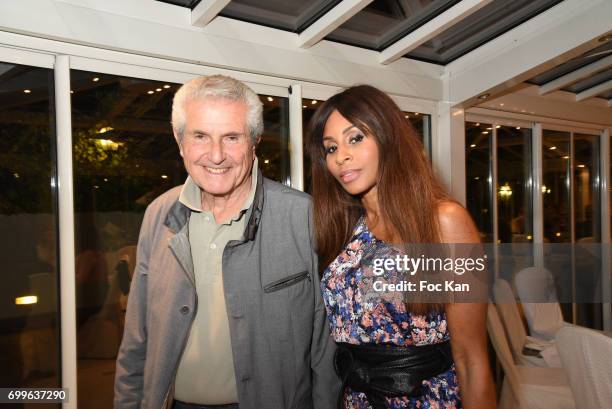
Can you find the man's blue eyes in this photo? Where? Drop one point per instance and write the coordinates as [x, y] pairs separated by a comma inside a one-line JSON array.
[[352, 140]]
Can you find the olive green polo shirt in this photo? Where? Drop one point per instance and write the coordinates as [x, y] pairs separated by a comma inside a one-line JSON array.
[[206, 371]]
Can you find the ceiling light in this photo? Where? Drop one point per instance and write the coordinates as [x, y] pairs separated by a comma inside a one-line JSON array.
[[552, 148], [304, 106], [158, 89], [164, 176], [150, 92], [106, 129], [71, 91], [477, 177], [105, 179], [505, 191], [26, 91], [96, 79], [477, 123], [416, 113], [314, 101], [566, 157], [489, 128], [28, 299], [166, 86], [484, 96], [473, 145], [266, 161], [558, 234], [581, 166], [406, 116], [518, 127], [485, 132], [498, 126], [270, 99]]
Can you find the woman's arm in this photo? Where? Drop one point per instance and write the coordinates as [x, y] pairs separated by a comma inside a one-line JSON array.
[[467, 321]]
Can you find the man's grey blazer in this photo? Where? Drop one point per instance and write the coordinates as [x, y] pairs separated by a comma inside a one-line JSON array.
[[283, 353]]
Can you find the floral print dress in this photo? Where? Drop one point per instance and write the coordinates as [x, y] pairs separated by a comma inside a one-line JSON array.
[[358, 314]]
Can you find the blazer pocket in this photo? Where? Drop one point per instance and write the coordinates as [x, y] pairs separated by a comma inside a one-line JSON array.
[[286, 282]]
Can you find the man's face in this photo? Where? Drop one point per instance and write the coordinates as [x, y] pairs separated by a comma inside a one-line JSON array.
[[216, 147]]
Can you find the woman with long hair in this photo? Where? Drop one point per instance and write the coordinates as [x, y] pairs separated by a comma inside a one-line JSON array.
[[373, 189]]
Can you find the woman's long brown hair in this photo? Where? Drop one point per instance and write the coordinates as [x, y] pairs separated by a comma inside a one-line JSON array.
[[408, 191]]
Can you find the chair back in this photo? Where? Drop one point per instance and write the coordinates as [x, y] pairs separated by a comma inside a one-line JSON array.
[[586, 356], [499, 340], [510, 316], [536, 289]]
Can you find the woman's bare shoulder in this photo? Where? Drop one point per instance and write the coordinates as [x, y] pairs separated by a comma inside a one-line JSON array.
[[456, 225]]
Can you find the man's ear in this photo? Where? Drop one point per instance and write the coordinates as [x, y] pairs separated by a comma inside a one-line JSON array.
[[255, 145], [178, 142]]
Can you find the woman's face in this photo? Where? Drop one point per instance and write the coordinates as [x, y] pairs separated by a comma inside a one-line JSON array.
[[351, 156]]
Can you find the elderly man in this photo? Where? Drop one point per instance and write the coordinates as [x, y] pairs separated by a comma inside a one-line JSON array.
[[225, 309]]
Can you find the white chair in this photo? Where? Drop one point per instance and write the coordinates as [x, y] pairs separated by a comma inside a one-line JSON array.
[[586, 355], [527, 387], [536, 289], [511, 318]]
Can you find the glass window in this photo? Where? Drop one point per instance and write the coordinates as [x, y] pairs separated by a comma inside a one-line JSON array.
[[29, 321], [593, 80], [383, 22], [309, 107], [124, 156], [273, 149], [556, 186], [574, 64], [587, 209], [478, 161], [490, 21], [587, 226], [514, 211], [292, 15], [514, 184], [422, 125]]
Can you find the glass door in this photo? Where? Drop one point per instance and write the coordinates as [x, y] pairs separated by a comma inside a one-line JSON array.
[[29, 319]]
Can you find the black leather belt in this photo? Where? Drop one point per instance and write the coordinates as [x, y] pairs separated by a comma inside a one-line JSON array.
[[386, 371]]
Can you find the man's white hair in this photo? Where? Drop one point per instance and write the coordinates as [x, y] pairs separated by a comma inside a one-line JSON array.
[[218, 87]]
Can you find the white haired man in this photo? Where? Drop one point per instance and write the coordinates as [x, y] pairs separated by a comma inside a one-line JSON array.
[[225, 309]]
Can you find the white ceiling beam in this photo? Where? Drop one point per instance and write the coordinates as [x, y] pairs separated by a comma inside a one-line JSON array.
[[576, 75], [206, 11], [539, 44], [431, 29], [594, 91], [330, 21]]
